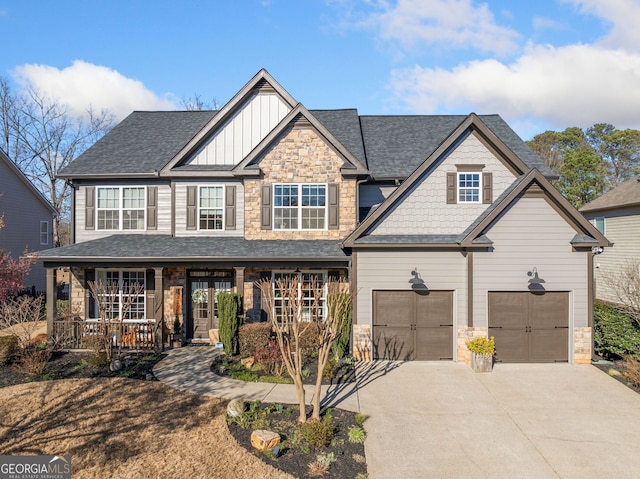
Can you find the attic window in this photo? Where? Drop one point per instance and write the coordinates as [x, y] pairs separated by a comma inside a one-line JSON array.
[[468, 187]]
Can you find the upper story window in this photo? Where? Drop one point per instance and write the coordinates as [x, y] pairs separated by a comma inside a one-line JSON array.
[[599, 223], [211, 207], [468, 187], [300, 206], [44, 233], [121, 208]]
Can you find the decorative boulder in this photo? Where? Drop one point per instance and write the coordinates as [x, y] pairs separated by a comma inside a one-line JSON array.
[[116, 365], [235, 407], [264, 440], [248, 362]]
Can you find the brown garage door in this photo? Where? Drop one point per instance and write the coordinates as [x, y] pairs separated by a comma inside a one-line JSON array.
[[411, 325], [528, 327]]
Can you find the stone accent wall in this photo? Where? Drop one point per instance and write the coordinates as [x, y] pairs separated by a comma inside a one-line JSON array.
[[77, 292], [464, 335], [300, 156], [582, 345], [362, 346], [252, 300], [173, 279]]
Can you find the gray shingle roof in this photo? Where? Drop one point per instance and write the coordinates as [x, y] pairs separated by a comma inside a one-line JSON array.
[[396, 145], [345, 126], [167, 248], [627, 194], [141, 144]]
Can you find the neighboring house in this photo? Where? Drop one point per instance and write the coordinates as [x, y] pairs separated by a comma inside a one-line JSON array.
[[27, 217], [436, 220], [616, 214]]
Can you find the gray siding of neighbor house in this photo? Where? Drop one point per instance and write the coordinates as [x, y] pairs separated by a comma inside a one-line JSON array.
[[391, 270], [425, 210], [164, 211], [532, 234], [622, 228], [181, 209], [22, 212]]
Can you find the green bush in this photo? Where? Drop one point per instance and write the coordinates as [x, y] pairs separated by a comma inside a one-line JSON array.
[[253, 336], [229, 307], [615, 334], [482, 345], [318, 433], [340, 345], [8, 349], [310, 341], [357, 435]]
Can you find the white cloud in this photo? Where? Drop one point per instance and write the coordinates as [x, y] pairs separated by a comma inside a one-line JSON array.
[[445, 23], [576, 85], [624, 17], [83, 84]]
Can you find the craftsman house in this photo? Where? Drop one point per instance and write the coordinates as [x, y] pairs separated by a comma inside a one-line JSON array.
[[447, 226], [28, 219]]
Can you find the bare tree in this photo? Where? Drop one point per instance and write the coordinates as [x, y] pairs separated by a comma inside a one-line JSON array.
[[285, 310], [113, 300], [20, 317], [196, 103], [42, 137], [625, 286]]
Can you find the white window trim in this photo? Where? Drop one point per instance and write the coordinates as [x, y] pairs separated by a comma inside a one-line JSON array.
[[224, 199], [300, 208], [604, 224], [121, 207], [144, 294], [458, 188], [323, 273], [45, 233]]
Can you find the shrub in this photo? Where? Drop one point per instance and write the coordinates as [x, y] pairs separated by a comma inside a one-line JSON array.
[[310, 342], [360, 418], [331, 368], [8, 349], [482, 345], [340, 345], [357, 435], [33, 359], [251, 336], [615, 334], [318, 433], [269, 357], [632, 371], [229, 306]]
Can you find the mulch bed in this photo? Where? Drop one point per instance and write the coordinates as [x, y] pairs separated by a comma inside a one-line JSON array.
[[616, 369], [68, 365], [295, 456]]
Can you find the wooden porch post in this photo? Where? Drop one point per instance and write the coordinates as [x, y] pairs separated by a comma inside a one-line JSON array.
[[159, 308], [51, 299]]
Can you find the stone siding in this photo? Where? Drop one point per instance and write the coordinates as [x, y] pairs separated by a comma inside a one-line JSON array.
[[582, 343], [465, 334], [77, 292], [300, 156], [362, 345]]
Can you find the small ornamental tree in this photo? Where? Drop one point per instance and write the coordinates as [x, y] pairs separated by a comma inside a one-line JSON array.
[[625, 286], [229, 306], [13, 272]]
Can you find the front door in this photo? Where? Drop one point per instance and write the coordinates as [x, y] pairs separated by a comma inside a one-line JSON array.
[[204, 308]]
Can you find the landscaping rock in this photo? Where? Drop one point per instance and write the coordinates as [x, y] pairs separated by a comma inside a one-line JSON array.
[[235, 407], [116, 365], [264, 440], [248, 362]]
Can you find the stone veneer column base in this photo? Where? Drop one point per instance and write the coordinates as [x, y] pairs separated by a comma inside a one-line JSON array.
[[362, 342], [465, 334], [582, 345]]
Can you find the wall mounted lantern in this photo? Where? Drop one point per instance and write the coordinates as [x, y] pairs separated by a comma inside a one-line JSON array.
[[536, 282], [416, 281]]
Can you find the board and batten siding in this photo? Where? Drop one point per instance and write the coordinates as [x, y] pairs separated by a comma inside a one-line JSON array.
[[22, 211], [425, 210], [163, 207], [391, 270], [622, 228], [531, 234], [181, 209], [243, 131]]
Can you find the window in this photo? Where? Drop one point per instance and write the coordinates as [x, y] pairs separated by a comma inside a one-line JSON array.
[[44, 232], [307, 282], [300, 206], [469, 187], [121, 208], [211, 207], [599, 223], [124, 278]]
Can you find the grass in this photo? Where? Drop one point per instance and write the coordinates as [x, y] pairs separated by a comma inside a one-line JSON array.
[[116, 427]]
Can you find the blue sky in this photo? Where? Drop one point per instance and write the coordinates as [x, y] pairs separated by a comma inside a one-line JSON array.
[[544, 64]]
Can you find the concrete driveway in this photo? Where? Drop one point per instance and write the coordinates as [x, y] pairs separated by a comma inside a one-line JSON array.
[[442, 420]]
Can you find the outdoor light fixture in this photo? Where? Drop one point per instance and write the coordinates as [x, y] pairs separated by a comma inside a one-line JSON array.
[[535, 283], [416, 281]]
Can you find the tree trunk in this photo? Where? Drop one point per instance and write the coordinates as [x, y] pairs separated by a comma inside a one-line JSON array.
[[323, 356]]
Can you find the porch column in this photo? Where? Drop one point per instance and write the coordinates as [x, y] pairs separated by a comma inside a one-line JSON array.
[[240, 282], [51, 299], [158, 312]]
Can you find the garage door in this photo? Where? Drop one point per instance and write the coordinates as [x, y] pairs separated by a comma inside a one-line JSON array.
[[413, 325], [530, 327]]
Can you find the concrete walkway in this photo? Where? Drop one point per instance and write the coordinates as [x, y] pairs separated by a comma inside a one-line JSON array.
[[441, 420]]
